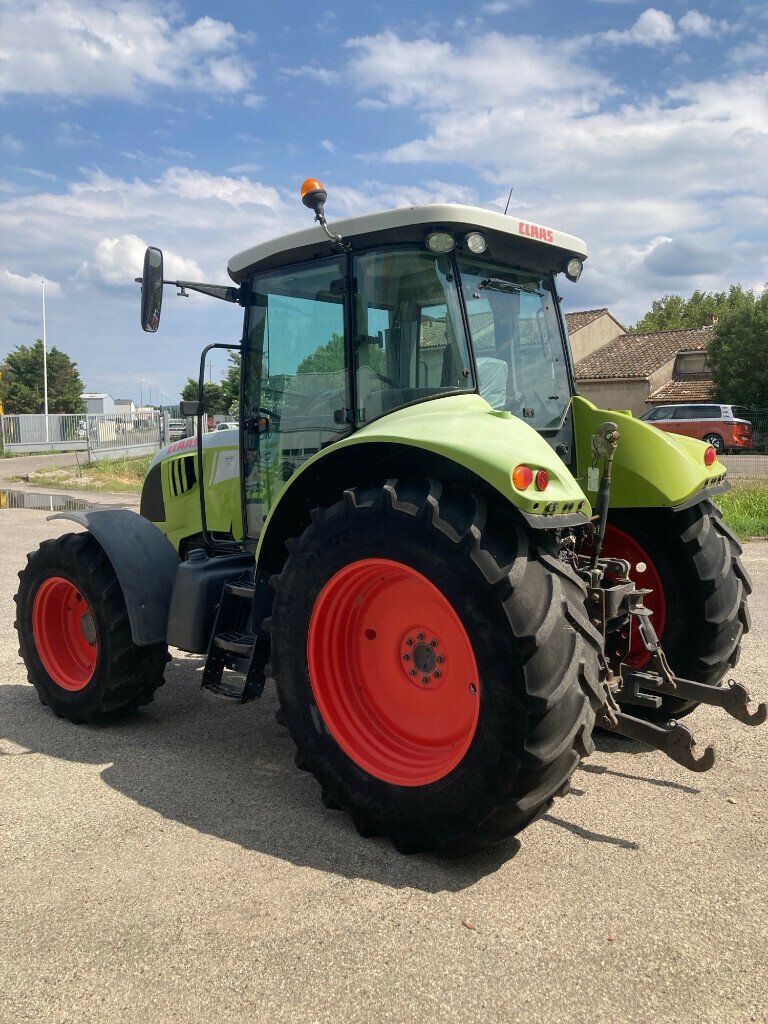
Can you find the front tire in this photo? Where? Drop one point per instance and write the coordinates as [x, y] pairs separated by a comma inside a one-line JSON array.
[[690, 561], [446, 755], [74, 634]]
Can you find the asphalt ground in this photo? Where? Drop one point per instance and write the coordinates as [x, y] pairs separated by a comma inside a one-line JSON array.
[[178, 867]]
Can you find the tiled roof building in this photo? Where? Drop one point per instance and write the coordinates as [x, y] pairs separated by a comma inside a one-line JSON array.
[[618, 370]]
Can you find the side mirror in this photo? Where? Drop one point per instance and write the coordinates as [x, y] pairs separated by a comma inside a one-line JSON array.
[[151, 289], [189, 408]]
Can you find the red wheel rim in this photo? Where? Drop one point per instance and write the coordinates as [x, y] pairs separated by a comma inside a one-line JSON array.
[[393, 672], [644, 574], [65, 634]]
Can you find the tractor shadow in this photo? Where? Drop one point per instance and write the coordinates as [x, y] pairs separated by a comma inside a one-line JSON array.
[[229, 772]]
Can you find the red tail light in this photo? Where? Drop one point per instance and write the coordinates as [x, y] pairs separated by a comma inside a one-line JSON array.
[[542, 480], [710, 455]]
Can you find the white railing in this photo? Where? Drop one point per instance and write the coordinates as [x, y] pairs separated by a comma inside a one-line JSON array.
[[102, 436]]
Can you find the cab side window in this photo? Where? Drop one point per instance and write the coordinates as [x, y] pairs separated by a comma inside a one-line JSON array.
[[295, 390]]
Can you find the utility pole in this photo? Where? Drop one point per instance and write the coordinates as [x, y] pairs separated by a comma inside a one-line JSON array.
[[45, 370], [210, 364], [141, 393]]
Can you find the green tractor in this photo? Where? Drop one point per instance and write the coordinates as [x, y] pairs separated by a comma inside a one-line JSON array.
[[450, 565]]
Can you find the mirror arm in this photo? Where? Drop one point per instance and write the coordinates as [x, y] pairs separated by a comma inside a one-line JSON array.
[[218, 291]]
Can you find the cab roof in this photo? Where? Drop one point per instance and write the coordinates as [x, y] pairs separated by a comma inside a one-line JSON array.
[[510, 239]]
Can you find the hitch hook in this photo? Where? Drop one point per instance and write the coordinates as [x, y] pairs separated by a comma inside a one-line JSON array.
[[737, 704], [675, 740]]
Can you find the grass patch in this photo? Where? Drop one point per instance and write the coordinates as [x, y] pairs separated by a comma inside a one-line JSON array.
[[124, 476], [745, 507]]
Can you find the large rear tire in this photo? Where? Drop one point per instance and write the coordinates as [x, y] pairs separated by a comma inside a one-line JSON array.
[[690, 560], [74, 634], [435, 664]]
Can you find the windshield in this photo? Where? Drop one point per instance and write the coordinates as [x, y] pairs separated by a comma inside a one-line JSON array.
[[521, 363]]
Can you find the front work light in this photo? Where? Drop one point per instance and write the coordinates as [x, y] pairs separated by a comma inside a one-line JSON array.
[[440, 241], [573, 269], [476, 242]]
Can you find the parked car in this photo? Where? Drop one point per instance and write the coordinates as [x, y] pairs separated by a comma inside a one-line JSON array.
[[726, 427], [226, 426]]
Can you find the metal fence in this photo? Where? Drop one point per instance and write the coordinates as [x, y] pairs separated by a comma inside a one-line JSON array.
[[751, 461], [101, 436]]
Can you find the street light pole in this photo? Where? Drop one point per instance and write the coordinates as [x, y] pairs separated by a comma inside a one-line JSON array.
[[45, 369], [142, 382]]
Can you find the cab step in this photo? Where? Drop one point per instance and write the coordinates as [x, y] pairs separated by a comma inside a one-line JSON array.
[[225, 689], [239, 644], [235, 645]]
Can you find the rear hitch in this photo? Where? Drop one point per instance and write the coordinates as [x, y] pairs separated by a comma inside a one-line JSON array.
[[658, 677], [642, 687]]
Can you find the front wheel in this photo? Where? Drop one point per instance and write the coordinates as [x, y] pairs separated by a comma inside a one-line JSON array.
[[690, 562], [435, 665], [74, 634], [716, 441]]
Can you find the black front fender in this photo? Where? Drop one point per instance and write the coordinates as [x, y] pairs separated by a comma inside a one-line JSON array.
[[145, 564]]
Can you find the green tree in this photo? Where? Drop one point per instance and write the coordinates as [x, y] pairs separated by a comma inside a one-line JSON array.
[[213, 395], [230, 385], [22, 389], [674, 313], [329, 357], [738, 353]]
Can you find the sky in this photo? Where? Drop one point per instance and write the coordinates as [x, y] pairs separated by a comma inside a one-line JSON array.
[[190, 125]]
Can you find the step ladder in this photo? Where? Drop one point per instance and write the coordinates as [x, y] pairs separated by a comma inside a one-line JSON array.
[[238, 643]]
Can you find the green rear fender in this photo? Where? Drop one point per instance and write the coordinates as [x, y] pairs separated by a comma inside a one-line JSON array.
[[463, 429], [652, 468]]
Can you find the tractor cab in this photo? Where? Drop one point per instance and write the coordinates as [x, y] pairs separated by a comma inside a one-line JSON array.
[[400, 308]]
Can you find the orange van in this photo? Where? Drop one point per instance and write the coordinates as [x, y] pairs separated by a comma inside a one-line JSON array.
[[726, 427]]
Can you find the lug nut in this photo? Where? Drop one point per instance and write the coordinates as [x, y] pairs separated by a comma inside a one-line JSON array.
[[409, 642], [436, 673], [406, 657], [433, 643], [425, 679], [440, 659], [419, 636], [412, 672]]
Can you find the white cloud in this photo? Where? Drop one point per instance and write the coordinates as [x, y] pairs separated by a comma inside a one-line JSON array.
[[325, 75], [29, 284], [197, 185], [10, 144], [667, 166], [489, 73], [327, 144], [118, 48], [118, 261], [652, 28], [693, 23]]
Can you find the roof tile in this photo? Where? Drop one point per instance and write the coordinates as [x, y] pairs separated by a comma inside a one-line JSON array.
[[638, 355]]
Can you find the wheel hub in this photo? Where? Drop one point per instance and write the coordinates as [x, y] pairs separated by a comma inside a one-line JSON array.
[[422, 656]]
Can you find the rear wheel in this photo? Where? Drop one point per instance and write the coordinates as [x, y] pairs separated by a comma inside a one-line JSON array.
[[74, 634], [435, 665], [690, 560], [716, 441]]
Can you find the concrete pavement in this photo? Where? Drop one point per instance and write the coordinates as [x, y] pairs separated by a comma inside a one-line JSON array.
[[178, 867]]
